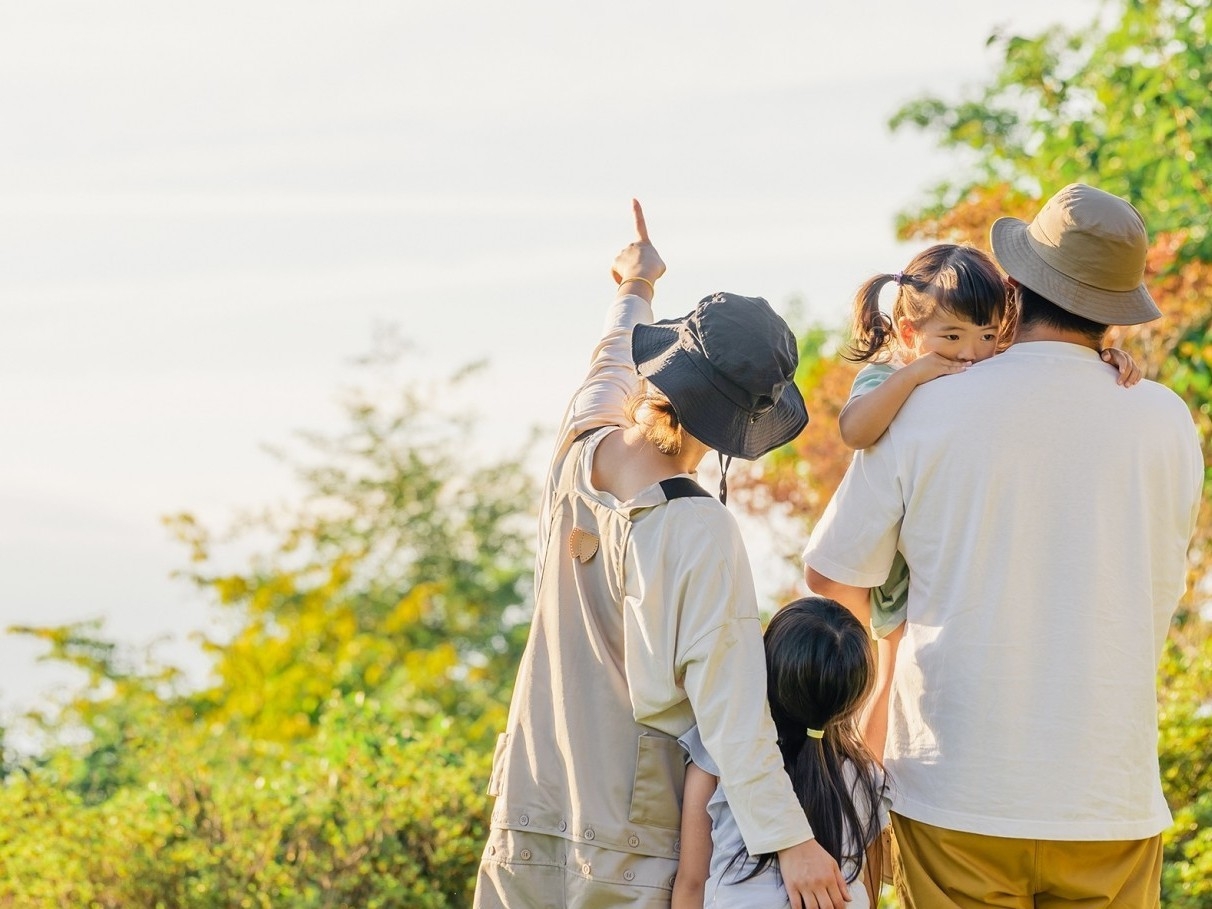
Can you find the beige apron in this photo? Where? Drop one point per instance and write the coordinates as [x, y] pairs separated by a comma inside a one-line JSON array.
[[588, 801]]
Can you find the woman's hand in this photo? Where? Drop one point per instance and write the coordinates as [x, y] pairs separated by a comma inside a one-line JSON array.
[[638, 259], [812, 878]]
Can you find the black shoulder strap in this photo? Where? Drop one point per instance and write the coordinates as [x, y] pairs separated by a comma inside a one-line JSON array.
[[682, 488]]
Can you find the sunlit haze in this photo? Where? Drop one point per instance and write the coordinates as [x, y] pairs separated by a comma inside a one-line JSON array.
[[207, 211]]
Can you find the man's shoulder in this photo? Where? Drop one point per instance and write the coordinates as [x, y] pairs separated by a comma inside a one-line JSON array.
[[1150, 403], [1163, 394]]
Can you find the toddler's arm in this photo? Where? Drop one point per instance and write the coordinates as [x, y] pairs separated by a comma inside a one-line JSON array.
[[867, 417], [694, 861], [1129, 372]]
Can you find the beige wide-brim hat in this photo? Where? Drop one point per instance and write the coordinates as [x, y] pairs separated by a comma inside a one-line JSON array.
[[1085, 252]]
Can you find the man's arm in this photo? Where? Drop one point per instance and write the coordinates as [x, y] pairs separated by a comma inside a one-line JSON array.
[[856, 599]]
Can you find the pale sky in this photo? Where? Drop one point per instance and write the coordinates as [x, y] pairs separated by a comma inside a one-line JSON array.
[[206, 209]]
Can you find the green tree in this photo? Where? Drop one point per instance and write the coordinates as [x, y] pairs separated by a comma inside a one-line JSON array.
[[367, 812], [339, 755], [124, 696], [1185, 743], [403, 564], [1123, 101]]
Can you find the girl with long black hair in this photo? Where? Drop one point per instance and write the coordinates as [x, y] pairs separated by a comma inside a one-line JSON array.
[[819, 672]]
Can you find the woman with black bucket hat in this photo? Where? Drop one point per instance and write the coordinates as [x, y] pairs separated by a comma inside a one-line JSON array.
[[646, 621]]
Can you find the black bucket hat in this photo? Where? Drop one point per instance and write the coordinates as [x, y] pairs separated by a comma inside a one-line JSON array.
[[728, 369]]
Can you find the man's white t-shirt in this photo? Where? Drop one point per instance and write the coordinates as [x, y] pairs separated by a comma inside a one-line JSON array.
[[1044, 512]]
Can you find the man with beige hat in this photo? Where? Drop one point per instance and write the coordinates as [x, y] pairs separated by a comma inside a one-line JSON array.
[[1044, 513]]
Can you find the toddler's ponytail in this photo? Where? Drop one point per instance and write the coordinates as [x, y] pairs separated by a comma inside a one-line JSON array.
[[871, 330]]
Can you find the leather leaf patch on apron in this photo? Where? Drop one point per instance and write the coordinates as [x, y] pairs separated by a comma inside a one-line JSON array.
[[582, 544]]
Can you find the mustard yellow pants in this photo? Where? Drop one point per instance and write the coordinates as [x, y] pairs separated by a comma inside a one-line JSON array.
[[935, 868]]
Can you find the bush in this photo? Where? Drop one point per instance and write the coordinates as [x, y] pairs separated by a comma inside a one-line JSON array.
[[1185, 743], [369, 813]]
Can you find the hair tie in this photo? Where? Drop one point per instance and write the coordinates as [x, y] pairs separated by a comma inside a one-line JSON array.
[[899, 278], [815, 733]]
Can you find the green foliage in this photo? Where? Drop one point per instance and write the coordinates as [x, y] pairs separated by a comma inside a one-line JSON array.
[[1123, 104], [1187, 873], [1190, 367], [371, 811], [340, 755], [402, 565], [126, 696], [1185, 750]]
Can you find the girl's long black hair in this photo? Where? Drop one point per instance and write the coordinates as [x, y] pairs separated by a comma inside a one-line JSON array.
[[819, 671]]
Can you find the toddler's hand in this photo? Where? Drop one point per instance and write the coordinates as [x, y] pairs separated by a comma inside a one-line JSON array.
[[932, 365], [1129, 372]]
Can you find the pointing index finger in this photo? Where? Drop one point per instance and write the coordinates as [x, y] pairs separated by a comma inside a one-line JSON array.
[[641, 226]]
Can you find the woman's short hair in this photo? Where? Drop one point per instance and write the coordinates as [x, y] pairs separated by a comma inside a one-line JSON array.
[[650, 410]]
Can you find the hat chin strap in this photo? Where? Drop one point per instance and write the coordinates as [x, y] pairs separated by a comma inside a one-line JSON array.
[[724, 465]]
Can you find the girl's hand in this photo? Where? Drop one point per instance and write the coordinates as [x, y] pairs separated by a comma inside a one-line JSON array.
[[638, 259], [931, 366], [1129, 372]]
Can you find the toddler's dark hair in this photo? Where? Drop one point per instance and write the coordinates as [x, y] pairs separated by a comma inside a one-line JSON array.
[[960, 280]]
